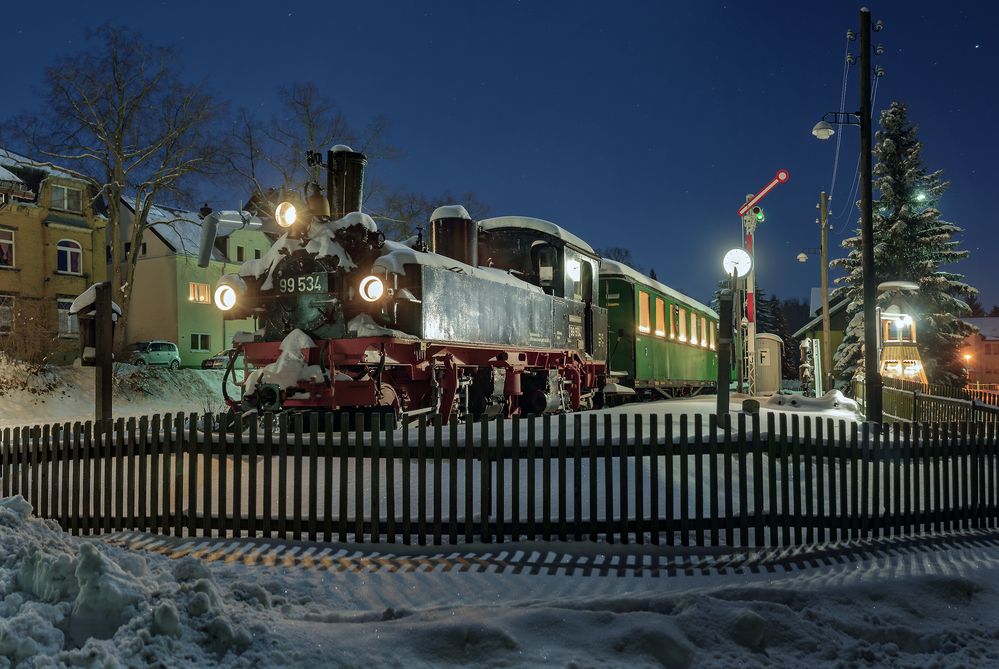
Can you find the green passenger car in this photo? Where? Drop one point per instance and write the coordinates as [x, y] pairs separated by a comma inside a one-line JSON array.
[[664, 342]]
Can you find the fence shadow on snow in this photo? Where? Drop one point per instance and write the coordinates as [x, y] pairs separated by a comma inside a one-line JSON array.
[[659, 479]]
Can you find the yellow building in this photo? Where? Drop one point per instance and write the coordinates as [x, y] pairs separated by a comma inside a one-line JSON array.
[[51, 250], [171, 296]]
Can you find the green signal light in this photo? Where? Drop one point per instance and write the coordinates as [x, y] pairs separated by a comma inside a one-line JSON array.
[[759, 216]]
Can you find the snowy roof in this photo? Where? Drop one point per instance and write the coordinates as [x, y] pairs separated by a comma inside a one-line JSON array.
[[87, 298], [15, 160], [178, 228], [989, 326], [528, 223], [815, 301], [7, 175], [613, 268]]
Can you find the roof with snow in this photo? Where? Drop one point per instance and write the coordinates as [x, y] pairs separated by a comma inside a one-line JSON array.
[[528, 223], [834, 309], [179, 229], [988, 326], [15, 161], [613, 268]]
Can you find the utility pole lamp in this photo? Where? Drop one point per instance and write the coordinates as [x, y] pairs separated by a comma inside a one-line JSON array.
[[824, 130]]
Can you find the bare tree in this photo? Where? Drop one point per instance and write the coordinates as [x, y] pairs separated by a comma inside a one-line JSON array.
[[401, 214], [118, 115], [275, 149]]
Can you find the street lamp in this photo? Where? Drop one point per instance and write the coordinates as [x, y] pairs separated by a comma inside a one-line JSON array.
[[823, 130]]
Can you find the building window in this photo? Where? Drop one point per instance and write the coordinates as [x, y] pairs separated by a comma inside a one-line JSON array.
[[693, 328], [682, 313], [6, 314], [644, 302], [6, 248], [69, 257], [69, 324], [201, 342], [239, 254], [142, 249], [256, 254], [67, 199], [704, 331], [199, 292], [660, 317]]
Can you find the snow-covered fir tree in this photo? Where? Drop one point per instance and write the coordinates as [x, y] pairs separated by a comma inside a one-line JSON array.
[[911, 243]]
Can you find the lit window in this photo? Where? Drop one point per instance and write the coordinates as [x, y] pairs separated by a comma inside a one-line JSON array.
[[6, 248], [711, 333], [69, 257], [644, 303], [6, 314], [674, 319], [693, 328], [199, 292], [68, 323], [201, 342], [683, 324], [704, 331], [67, 199], [660, 317]]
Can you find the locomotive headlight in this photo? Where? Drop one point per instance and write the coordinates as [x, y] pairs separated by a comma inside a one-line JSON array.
[[371, 288], [285, 214], [228, 291], [225, 298]]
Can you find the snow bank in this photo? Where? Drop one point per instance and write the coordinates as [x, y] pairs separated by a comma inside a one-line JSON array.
[[290, 368], [66, 601], [833, 403]]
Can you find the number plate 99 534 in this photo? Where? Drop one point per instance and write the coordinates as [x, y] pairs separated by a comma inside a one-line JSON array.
[[308, 283]]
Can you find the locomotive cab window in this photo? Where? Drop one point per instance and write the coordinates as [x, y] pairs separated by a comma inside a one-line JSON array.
[[544, 258], [660, 317], [644, 302]]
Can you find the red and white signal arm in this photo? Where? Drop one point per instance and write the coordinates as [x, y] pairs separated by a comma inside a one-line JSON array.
[[782, 177]]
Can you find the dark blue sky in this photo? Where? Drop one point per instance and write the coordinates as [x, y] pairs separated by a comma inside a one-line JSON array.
[[633, 124]]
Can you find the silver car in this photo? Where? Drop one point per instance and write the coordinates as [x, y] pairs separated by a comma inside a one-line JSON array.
[[153, 353]]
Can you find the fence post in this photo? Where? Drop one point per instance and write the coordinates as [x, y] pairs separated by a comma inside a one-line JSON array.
[[915, 405]]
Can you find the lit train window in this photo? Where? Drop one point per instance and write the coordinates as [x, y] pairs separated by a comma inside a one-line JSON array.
[[660, 317], [693, 328], [711, 333], [674, 320], [704, 332], [644, 303], [683, 324]]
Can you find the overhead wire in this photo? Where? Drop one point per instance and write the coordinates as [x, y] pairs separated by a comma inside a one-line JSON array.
[[855, 184], [841, 108]]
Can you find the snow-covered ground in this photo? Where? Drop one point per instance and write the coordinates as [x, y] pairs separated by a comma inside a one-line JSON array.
[[29, 395], [66, 601]]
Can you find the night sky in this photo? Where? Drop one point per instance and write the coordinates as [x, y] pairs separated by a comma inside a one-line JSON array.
[[640, 125]]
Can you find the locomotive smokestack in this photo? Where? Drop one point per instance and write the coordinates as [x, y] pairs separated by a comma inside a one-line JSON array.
[[345, 180], [454, 234]]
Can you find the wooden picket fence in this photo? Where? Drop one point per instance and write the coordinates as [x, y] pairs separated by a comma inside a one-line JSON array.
[[904, 401], [673, 480]]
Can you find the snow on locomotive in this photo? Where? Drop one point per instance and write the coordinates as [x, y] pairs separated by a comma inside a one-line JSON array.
[[494, 318]]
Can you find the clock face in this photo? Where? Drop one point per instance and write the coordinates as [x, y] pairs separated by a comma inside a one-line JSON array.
[[738, 261]]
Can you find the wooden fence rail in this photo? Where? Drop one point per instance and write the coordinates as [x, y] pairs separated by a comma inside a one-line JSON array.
[[674, 480], [913, 405]]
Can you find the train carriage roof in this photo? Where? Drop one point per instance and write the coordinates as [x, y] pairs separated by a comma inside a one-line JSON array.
[[540, 225], [614, 268]]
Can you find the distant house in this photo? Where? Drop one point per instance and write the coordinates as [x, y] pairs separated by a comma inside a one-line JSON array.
[[172, 298], [837, 324], [983, 347], [51, 250]]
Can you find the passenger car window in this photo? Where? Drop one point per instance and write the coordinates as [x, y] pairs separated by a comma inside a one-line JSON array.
[[643, 312]]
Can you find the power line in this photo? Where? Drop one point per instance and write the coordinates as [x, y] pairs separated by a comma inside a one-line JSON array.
[[842, 105]]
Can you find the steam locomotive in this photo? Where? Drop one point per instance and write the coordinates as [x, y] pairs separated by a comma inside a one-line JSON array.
[[498, 317]]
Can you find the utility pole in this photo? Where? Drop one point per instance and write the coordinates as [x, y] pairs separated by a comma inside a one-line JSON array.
[[872, 377], [827, 381]]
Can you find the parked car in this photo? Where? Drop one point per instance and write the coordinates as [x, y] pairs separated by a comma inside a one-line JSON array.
[[153, 353], [218, 361]]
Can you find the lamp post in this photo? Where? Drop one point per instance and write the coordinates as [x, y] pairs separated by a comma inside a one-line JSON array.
[[824, 130]]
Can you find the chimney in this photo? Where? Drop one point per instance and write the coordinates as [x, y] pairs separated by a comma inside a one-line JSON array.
[[454, 234], [344, 180]]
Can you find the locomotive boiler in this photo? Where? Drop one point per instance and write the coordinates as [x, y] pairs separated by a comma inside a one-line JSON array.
[[492, 318]]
